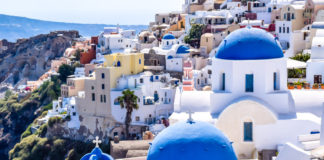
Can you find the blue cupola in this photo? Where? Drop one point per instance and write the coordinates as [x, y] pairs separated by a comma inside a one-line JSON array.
[[249, 44], [183, 49], [191, 140], [168, 36], [96, 154]]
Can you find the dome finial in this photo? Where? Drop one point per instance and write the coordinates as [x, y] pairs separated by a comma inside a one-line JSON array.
[[97, 141]]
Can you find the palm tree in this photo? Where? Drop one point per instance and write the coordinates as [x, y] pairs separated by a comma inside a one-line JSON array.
[[128, 101]]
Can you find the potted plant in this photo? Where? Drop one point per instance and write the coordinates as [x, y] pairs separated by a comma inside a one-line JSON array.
[[315, 86], [291, 86], [306, 85], [299, 85]]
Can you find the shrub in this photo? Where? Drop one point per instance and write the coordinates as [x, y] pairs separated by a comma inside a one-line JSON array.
[[54, 120], [301, 57], [27, 132]]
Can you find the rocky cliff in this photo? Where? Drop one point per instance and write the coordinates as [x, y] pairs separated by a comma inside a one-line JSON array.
[[28, 59]]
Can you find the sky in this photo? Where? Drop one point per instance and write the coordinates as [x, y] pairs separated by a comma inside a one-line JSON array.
[[123, 12]]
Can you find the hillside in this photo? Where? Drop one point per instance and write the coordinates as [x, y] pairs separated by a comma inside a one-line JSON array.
[[28, 59], [13, 27]]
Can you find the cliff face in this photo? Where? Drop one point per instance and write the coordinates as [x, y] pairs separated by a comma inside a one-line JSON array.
[[28, 59]]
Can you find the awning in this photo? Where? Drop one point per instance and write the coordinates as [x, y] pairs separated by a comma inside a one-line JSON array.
[[291, 64]]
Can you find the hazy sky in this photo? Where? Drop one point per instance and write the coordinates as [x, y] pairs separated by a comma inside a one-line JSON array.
[[90, 11]]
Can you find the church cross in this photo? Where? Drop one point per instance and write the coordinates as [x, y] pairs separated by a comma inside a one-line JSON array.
[[97, 141]]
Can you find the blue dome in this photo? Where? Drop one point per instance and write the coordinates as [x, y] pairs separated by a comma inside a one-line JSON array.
[[96, 154], [186, 141], [249, 44], [183, 49], [168, 36]]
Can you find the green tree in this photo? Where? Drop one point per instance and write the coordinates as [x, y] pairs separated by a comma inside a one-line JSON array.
[[128, 101], [193, 38], [64, 71]]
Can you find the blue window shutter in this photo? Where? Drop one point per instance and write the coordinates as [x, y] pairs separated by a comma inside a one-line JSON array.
[[249, 83], [248, 131]]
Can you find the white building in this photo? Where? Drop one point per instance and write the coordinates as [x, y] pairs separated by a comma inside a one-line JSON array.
[[249, 100], [155, 97], [315, 64], [112, 41]]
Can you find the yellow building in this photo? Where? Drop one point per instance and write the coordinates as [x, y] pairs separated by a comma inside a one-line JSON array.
[[123, 64]]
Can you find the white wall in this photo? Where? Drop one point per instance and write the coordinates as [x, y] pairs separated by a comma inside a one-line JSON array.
[[263, 72], [174, 64]]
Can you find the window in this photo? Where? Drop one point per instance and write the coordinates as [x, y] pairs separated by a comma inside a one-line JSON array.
[[279, 29], [292, 16], [249, 83], [103, 86], [116, 102], [140, 61], [141, 80], [156, 96], [102, 75], [287, 29], [318, 79], [137, 118], [167, 43], [92, 87], [93, 97], [139, 100], [101, 98], [104, 98], [74, 114], [248, 131], [276, 85], [222, 82], [156, 77], [118, 64], [198, 81], [165, 94], [283, 29]]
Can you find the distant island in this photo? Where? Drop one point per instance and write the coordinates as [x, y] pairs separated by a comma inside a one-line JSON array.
[[14, 27]]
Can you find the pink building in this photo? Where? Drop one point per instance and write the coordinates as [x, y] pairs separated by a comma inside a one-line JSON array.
[[187, 79]]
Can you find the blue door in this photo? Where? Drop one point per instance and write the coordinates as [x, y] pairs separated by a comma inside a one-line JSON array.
[[249, 83]]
